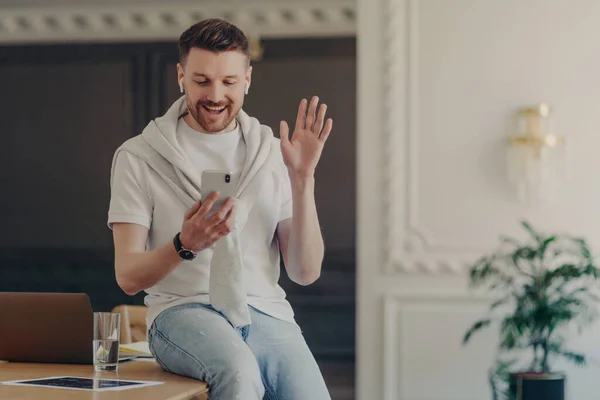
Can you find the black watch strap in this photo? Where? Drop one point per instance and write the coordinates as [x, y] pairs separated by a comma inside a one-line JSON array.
[[184, 253]]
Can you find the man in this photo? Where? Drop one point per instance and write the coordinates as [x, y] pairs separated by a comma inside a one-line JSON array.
[[221, 319]]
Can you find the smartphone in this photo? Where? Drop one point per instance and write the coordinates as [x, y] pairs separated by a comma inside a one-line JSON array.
[[217, 181]]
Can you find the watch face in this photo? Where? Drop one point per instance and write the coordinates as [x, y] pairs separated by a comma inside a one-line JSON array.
[[186, 254]]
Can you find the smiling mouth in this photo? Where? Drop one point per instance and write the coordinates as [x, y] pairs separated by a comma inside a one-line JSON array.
[[214, 110]]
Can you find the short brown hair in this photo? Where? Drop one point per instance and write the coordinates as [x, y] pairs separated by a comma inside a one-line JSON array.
[[215, 35]]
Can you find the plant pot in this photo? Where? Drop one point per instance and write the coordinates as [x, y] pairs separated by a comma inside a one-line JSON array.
[[537, 386]]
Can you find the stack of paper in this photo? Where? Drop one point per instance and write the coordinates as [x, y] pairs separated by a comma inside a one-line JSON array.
[[137, 349]]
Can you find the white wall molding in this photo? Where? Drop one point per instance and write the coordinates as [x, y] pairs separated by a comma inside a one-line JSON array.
[[110, 22], [410, 247], [397, 311], [430, 265], [403, 234], [395, 175], [392, 374]]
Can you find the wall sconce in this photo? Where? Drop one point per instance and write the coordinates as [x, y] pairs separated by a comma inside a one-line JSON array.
[[535, 156]]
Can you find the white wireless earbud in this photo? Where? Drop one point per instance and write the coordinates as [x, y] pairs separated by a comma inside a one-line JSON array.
[[247, 87], [181, 85]]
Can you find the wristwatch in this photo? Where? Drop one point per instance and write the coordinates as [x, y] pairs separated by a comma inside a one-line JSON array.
[[184, 253]]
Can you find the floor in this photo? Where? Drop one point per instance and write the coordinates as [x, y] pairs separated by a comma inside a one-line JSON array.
[[339, 379]]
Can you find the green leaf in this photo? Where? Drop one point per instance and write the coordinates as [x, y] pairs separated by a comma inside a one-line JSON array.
[[500, 302], [572, 293], [532, 232], [476, 327], [591, 270], [576, 358], [545, 245], [584, 249], [555, 347], [485, 270], [564, 273], [525, 253], [509, 340], [548, 240], [509, 240], [503, 366]]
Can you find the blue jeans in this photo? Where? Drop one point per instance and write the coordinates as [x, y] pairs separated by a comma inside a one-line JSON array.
[[268, 359]]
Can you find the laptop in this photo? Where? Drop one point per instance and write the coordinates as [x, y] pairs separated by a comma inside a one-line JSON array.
[[46, 328]]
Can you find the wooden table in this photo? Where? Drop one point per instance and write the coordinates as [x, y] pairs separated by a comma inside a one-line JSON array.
[[174, 387]]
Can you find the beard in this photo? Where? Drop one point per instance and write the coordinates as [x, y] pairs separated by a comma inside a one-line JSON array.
[[213, 121]]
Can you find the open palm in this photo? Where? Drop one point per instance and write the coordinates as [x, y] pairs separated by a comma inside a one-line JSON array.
[[301, 154]]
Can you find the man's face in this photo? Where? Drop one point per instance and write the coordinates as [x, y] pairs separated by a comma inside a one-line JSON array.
[[214, 85]]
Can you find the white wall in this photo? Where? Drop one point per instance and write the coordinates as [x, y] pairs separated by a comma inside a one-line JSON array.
[[438, 81]]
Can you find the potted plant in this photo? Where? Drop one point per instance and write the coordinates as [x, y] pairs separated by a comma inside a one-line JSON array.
[[540, 286]]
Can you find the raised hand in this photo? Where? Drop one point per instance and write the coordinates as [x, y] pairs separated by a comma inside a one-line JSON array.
[[302, 153]]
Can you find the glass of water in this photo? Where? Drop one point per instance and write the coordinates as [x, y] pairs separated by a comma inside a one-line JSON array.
[[107, 330]]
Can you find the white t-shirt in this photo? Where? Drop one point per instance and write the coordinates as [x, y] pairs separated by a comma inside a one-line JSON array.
[[141, 197]]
